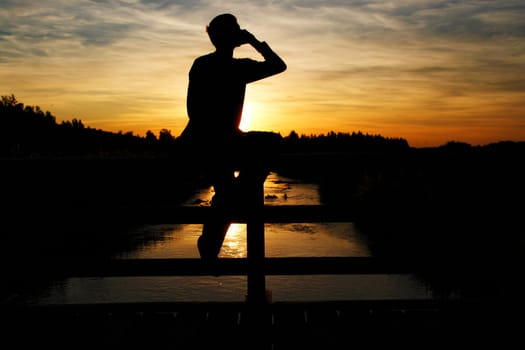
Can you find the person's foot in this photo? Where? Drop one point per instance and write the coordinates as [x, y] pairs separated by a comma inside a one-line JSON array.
[[208, 255], [207, 250]]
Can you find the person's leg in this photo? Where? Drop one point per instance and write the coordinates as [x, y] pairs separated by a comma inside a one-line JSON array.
[[215, 228], [253, 155]]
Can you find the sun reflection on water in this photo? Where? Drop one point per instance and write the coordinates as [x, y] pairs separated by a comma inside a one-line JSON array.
[[234, 245]]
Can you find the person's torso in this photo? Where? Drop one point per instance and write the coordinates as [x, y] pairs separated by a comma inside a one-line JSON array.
[[216, 95]]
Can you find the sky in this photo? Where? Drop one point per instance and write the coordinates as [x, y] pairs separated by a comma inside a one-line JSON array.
[[427, 71]]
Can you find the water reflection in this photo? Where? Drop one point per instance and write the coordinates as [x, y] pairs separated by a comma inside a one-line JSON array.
[[281, 240], [234, 245], [278, 190], [232, 289]]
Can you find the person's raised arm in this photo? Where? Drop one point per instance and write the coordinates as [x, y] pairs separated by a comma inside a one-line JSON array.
[[273, 62]]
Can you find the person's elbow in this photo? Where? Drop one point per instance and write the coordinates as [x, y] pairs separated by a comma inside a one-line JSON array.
[[281, 67]]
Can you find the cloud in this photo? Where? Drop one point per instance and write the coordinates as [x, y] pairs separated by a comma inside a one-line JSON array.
[[168, 4], [374, 19], [102, 34], [474, 19]]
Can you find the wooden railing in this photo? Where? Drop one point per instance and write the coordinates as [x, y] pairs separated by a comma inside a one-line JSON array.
[[256, 266], [255, 318]]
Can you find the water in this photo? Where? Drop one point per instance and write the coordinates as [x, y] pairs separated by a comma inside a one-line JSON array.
[[282, 240]]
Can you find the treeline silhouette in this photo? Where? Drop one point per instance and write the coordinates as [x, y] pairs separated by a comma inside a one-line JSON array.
[[27, 131]]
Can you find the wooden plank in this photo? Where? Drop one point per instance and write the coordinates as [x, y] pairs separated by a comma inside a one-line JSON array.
[[197, 215], [220, 306], [255, 241], [233, 267], [287, 325]]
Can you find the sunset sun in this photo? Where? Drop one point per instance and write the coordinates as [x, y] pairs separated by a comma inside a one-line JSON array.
[[248, 115]]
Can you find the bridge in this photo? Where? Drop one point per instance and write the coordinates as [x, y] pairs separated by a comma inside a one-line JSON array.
[[258, 322]]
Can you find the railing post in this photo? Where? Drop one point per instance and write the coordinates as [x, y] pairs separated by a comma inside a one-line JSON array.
[[255, 246]]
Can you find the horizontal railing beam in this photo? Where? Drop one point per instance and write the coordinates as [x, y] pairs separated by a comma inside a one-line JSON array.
[[269, 214], [175, 214], [233, 266]]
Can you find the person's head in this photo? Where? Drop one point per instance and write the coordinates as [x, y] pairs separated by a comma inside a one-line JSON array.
[[224, 31]]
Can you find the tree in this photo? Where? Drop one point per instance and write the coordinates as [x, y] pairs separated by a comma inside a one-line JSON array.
[[10, 101], [165, 136], [150, 137]]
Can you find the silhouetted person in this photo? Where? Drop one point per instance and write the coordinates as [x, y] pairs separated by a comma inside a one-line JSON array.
[[234, 160]]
